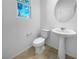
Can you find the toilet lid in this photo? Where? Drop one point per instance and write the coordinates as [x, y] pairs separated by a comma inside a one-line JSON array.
[[39, 40]]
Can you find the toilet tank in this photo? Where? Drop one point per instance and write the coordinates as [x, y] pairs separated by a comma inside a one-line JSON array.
[[44, 33]]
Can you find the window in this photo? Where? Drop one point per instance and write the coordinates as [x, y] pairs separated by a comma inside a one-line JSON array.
[[23, 8]]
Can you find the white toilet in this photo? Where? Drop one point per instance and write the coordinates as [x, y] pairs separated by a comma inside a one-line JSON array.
[[39, 42]]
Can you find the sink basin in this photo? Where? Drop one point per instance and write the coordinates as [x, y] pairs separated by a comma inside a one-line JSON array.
[[64, 32]]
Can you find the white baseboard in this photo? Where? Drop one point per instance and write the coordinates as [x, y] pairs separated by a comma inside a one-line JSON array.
[[66, 52]]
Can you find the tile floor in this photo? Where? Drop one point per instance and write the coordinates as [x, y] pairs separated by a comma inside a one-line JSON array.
[[30, 54], [49, 53]]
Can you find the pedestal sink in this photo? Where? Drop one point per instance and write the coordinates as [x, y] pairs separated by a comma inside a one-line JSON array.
[[62, 33]]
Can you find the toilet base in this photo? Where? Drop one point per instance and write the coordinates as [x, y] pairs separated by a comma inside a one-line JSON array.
[[39, 50]]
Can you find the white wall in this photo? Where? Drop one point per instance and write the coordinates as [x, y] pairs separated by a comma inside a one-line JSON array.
[[15, 28], [48, 21]]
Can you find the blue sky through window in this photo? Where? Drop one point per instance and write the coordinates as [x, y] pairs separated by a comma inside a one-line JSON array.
[[23, 7]]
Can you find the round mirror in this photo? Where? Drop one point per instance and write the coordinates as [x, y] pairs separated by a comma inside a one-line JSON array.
[[65, 10]]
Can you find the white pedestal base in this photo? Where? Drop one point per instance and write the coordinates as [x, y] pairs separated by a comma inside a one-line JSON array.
[[39, 50], [61, 50]]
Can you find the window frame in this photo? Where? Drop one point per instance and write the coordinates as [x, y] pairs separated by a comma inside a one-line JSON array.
[[29, 9]]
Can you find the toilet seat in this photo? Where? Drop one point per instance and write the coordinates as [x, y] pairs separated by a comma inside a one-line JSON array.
[[38, 42]]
